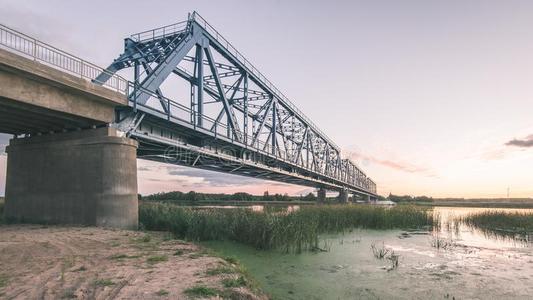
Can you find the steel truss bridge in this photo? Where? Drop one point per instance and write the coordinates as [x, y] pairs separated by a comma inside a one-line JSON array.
[[195, 100]]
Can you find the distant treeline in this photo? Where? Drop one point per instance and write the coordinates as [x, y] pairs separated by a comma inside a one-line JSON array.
[[197, 197], [409, 199], [204, 197]]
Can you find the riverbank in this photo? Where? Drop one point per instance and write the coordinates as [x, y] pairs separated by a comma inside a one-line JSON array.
[[296, 231], [55, 262], [483, 203]]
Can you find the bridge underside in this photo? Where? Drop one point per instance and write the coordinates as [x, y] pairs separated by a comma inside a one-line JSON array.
[[20, 118], [164, 142]]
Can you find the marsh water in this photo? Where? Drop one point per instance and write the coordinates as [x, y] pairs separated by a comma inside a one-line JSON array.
[[468, 264]]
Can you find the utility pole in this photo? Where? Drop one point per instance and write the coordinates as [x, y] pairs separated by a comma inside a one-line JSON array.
[[508, 194]]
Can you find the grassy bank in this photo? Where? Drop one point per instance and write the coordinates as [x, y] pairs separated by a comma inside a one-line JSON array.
[[487, 204], [293, 232], [501, 222]]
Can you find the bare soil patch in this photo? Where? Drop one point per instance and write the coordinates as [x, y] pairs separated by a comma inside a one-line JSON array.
[[57, 262]]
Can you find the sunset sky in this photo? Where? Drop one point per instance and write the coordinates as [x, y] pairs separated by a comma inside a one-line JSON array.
[[428, 97]]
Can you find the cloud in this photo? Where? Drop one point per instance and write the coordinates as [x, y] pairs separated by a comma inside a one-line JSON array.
[[396, 165], [494, 154], [182, 180], [154, 177], [199, 178], [523, 143]]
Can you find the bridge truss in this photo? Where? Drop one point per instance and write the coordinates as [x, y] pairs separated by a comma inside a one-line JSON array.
[[197, 101]]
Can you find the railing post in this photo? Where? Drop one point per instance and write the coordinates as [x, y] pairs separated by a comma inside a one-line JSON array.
[[34, 50], [168, 109]]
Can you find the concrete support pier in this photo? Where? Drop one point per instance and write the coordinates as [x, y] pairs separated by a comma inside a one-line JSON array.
[[87, 177], [343, 196], [321, 195]]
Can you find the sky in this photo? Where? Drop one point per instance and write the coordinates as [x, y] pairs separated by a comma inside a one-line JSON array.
[[428, 97]]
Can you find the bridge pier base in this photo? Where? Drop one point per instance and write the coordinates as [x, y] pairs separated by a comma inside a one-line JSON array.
[[321, 195], [86, 177], [343, 196]]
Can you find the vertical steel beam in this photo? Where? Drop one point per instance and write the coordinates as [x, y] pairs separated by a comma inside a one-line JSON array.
[[282, 132], [245, 103], [313, 152], [325, 159], [274, 126], [193, 100], [200, 83], [307, 152], [135, 84]]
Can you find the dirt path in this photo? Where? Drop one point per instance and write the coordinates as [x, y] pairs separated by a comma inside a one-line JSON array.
[[52, 262]]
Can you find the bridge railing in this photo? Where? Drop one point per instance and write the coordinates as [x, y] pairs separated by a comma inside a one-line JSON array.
[[24, 45], [160, 32]]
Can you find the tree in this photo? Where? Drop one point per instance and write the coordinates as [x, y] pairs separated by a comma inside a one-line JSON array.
[[309, 197]]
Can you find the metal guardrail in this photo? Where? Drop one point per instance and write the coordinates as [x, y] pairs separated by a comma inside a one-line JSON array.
[[20, 43], [160, 32], [252, 69]]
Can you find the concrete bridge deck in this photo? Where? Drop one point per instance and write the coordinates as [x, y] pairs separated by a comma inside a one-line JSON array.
[[37, 98]]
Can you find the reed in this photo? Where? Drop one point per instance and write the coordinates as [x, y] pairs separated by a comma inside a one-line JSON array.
[[501, 221], [290, 232]]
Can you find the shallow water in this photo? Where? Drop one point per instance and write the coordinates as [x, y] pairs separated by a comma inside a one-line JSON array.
[[473, 266]]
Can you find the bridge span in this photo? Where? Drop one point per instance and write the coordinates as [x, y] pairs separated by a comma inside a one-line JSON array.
[[179, 94]]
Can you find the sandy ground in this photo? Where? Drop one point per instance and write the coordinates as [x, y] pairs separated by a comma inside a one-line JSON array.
[[52, 262]]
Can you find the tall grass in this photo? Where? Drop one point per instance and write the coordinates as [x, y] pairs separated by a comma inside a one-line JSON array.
[[501, 222], [291, 232]]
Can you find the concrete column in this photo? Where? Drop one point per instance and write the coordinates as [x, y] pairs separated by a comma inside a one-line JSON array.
[[86, 177], [321, 195], [343, 196]]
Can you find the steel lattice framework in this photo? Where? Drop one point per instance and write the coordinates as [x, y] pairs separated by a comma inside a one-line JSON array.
[[228, 117]]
